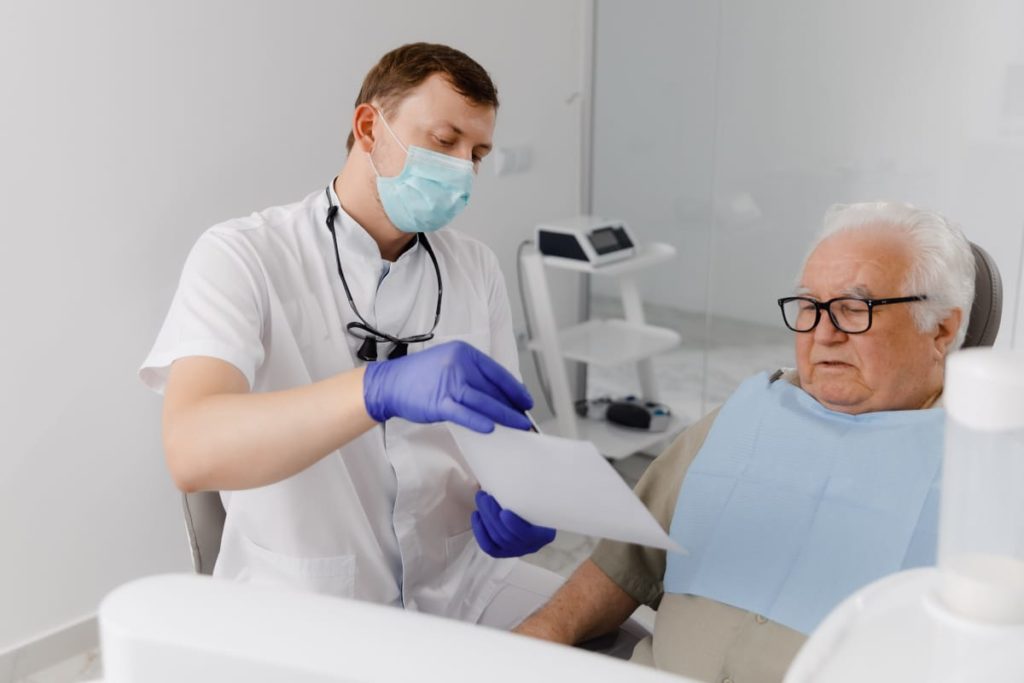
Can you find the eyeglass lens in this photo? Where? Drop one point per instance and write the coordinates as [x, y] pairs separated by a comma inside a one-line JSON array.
[[849, 315]]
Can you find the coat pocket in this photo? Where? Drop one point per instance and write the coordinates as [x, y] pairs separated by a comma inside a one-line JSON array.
[[454, 546], [334, 575]]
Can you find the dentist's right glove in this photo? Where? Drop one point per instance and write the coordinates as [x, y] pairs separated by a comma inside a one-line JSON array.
[[451, 381], [503, 533]]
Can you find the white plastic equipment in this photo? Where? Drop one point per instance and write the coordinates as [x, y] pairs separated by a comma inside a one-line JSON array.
[[174, 628], [589, 239], [981, 542], [961, 622], [599, 342]]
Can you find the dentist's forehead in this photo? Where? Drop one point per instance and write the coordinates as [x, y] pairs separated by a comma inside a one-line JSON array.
[[438, 100]]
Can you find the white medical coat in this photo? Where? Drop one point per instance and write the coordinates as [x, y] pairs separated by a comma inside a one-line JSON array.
[[386, 517]]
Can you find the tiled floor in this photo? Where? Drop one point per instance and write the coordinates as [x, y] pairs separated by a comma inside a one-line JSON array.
[[715, 356]]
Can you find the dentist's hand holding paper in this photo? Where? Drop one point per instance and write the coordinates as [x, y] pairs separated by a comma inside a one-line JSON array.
[[451, 381], [503, 533]]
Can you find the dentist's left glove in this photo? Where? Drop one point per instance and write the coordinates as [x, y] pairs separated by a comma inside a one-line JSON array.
[[503, 533], [451, 381]]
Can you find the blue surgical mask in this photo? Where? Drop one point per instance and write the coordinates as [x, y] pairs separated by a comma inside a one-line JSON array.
[[429, 193]]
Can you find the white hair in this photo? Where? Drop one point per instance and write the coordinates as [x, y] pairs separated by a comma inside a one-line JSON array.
[[943, 266]]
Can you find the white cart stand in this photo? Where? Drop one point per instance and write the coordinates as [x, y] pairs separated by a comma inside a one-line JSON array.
[[598, 342]]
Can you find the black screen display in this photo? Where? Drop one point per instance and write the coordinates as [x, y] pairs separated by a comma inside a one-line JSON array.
[[604, 240]]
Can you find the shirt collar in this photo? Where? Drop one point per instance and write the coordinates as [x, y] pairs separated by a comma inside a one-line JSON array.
[[356, 239]]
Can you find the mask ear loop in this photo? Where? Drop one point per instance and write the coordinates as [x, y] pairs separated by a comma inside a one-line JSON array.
[[388, 126], [400, 143]]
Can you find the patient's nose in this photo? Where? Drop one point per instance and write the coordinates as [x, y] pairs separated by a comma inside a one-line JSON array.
[[826, 332]]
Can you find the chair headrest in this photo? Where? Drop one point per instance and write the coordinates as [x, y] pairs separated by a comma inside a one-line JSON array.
[[987, 309]]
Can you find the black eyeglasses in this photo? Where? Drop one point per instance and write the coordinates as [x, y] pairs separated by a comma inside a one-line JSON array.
[[849, 314]]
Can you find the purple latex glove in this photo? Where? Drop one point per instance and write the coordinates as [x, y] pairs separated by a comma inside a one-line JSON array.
[[503, 533], [451, 381]]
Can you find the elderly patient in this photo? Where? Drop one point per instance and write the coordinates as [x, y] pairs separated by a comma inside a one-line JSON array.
[[804, 486]]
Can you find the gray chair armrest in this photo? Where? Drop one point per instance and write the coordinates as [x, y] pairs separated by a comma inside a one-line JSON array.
[[204, 525]]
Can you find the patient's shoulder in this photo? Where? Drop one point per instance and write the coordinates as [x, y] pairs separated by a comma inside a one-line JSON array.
[[684, 449], [665, 475], [659, 487]]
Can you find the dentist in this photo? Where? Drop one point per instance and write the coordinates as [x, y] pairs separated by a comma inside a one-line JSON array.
[[311, 351]]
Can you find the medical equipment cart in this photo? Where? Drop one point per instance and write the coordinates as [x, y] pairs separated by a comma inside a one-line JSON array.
[[598, 342]]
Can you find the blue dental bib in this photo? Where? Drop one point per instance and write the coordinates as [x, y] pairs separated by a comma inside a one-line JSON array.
[[790, 507]]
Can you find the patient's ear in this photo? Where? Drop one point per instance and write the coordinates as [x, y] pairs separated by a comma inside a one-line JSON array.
[[945, 332]]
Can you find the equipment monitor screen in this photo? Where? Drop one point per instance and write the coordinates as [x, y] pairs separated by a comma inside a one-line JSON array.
[[604, 240]]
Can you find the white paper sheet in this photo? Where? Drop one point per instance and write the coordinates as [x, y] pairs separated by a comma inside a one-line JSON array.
[[560, 483]]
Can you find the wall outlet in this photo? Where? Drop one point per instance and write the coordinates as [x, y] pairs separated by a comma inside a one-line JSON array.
[[511, 160]]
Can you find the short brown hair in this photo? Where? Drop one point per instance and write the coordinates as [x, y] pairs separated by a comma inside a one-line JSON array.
[[404, 68]]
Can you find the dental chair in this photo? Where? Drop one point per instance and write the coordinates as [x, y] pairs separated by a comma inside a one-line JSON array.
[[174, 628], [204, 513], [987, 309], [204, 524]]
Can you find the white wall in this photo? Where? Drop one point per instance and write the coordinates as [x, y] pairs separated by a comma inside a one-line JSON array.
[[654, 122], [748, 118], [835, 101], [127, 128]]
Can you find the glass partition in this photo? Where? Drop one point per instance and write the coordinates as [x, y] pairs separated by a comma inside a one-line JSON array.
[[727, 128]]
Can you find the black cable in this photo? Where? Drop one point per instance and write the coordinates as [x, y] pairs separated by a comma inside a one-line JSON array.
[[529, 330], [371, 335]]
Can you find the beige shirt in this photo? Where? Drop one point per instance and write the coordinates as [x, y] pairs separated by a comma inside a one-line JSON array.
[[694, 636]]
